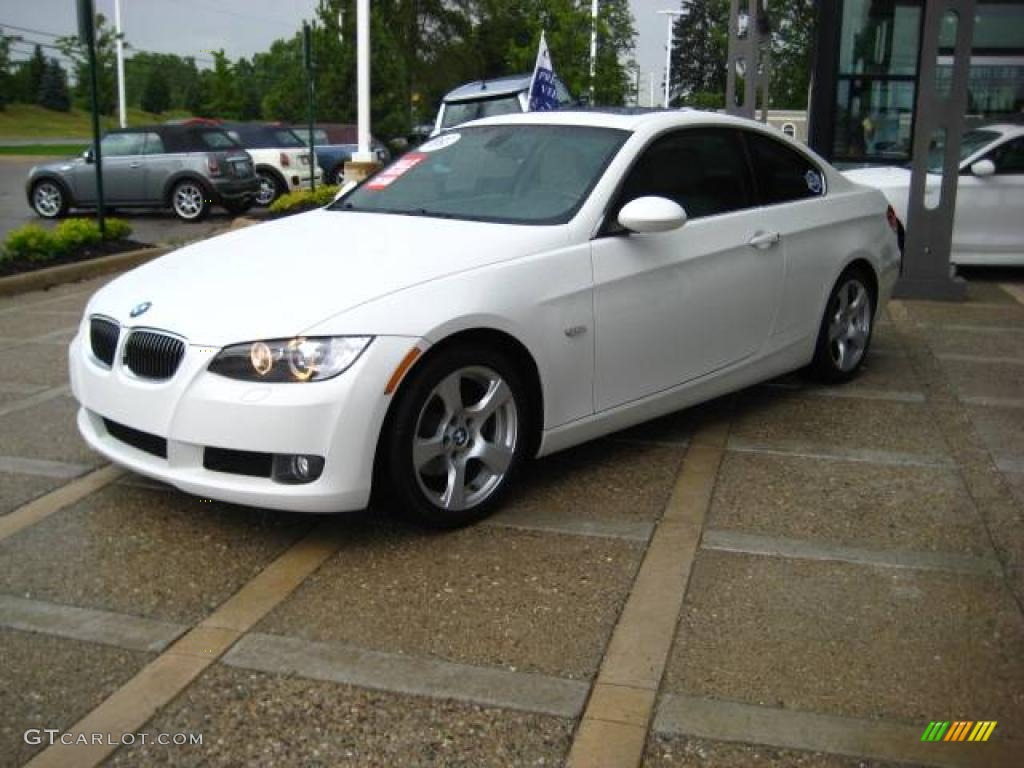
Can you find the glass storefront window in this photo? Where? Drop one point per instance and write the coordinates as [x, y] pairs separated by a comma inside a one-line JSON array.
[[874, 119], [880, 37]]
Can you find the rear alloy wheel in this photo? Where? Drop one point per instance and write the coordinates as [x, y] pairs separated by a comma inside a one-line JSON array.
[[49, 199], [845, 333], [269, 189], [460, 435], [189, 201]]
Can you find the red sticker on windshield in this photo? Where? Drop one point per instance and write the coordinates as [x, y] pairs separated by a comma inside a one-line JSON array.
[[399, 167]]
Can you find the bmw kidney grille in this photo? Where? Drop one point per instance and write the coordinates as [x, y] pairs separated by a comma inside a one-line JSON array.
[[103, 335], [152, 355]]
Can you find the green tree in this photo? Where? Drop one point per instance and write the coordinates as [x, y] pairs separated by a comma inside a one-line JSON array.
[[106, 77], [222, 97], [6, 80], [156, 96], [53, 88], [700, 47], [35, 69]]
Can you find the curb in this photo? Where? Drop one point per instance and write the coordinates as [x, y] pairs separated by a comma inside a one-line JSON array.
[[69, 273]]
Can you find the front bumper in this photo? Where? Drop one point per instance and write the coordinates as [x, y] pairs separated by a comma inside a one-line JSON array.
[[339, 419]]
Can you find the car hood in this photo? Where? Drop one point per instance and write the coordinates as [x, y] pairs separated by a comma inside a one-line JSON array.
[[282, 278]]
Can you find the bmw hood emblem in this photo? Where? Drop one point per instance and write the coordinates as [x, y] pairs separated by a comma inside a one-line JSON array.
[[140, 309]]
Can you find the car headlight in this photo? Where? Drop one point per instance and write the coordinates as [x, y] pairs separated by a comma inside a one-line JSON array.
[[284, 360]]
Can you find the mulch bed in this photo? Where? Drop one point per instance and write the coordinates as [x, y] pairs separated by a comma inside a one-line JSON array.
[[18, 266]]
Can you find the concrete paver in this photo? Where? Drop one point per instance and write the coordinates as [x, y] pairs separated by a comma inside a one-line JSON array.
[[664, 751], [846, 502], [986, 380], [255, 719], [607, 480], [1002, 431], [49, 682], [17, 489], [785, 419], [47, 430], [42, 365], [835, 638], [981, 343], [952, 313], [486, 596], [143, 552]]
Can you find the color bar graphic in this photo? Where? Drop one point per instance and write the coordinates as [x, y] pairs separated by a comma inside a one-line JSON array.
[[958, 730]]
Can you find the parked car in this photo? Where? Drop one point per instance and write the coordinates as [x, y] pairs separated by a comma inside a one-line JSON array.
[[188, 168], [509, 289], [487, 98], [334, 144], [987, 227], [281, 157]]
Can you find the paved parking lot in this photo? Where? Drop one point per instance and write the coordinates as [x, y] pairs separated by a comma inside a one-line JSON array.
[[789, 576]]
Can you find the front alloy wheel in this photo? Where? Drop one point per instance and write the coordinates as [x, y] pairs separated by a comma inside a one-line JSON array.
[[845, 331], [48, 199], [189, 201], [460, 435]]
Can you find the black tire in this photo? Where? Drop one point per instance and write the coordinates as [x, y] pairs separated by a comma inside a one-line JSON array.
[[270, 188], [190, 201], [238, 207], [49, 199], [844, 335], [420, 495]]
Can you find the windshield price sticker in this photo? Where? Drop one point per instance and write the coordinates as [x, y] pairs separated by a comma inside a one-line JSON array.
[[441, 142], [400, 167]]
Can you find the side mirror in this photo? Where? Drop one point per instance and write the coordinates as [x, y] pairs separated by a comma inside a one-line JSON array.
[[983, 168], [87, 156], [652, 214]]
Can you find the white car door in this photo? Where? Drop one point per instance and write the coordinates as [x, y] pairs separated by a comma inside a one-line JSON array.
[[674, 306], [988, 220]]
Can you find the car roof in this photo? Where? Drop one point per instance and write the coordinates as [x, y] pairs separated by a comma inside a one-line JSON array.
[[626, 119], [1006, 129], [499, 86]]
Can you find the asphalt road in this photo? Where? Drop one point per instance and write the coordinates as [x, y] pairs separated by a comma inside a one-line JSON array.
[[147, 227]]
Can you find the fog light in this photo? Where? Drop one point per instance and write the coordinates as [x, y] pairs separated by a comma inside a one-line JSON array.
[[295, 469]]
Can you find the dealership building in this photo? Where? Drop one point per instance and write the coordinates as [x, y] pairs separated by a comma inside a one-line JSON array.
[[867, 66]]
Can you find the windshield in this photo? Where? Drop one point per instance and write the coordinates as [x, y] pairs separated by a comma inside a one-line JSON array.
[[516, 174], [459, 112], [971, 143]]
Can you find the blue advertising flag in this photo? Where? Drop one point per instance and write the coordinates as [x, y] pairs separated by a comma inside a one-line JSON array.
[[543, 96]]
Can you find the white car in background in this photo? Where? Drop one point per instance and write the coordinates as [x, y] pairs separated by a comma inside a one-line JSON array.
[[507, 290], [280, 157], [988, 227]]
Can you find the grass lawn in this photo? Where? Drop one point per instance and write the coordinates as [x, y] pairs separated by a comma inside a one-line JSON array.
[[45, 150], [28, 121]]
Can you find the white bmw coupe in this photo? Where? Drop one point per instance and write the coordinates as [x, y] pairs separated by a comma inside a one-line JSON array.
[[521, 285]]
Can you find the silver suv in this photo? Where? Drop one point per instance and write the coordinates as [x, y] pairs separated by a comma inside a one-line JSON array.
[[186, 167]]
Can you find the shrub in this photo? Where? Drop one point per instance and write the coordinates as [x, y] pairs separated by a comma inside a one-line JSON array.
[[33, 243], [303, 199], [71, 234]]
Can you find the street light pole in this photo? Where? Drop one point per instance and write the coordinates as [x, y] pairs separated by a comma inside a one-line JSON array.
[[670, 17], [121, 107], [363, 80], [593, 47]]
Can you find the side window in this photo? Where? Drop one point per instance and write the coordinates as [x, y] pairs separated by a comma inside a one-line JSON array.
[[704, 170], [121, 144], [1009, 158], [154, 144], [564, 98], [782, 174]]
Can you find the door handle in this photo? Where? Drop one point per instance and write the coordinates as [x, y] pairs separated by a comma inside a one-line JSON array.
[[134, 165], [764, 240]]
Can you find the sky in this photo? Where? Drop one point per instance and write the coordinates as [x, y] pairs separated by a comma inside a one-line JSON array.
[[244, 27]]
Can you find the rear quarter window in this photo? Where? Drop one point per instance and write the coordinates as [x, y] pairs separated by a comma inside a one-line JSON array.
[[783, 174]]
